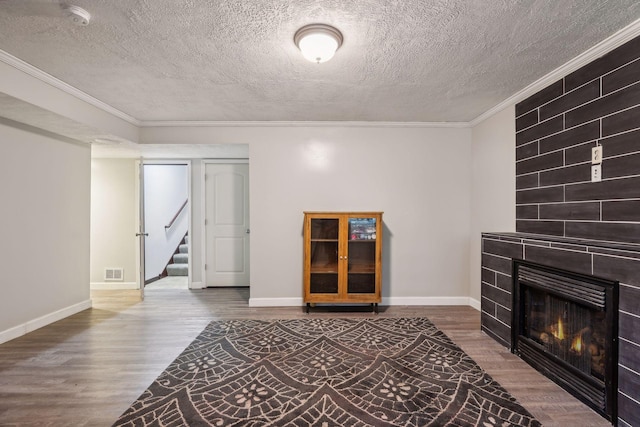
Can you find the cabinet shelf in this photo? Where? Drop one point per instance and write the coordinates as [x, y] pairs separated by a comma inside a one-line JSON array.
[[362, 269], [324, 269], [356, 269]]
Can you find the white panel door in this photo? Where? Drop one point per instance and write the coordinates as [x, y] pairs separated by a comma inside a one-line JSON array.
[[227, 224]]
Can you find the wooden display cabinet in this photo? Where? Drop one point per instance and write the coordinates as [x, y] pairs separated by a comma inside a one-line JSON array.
[[342, 258]]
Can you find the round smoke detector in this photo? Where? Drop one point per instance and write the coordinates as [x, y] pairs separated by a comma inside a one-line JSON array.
[[77, 15]]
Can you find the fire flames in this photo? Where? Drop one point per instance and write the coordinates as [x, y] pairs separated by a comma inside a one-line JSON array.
[[577, 345], [557, 330]]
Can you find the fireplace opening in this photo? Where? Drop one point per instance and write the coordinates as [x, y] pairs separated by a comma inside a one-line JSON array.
[[565, 325]]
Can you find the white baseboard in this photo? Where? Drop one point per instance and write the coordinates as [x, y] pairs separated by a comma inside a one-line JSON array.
[[293, 302], [427, 301], [113, 285], [45, 320], [275, 302], [474, 303]]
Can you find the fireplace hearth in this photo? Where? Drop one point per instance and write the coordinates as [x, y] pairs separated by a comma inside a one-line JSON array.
[[565, 325]]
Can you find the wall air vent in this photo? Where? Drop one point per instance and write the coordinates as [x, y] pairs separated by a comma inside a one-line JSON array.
[[113, 274]]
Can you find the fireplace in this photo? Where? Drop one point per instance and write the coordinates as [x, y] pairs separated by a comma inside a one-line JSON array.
[[565, 325]]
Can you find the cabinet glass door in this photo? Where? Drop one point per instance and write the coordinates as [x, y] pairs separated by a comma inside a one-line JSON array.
[[324, 256], [362, 256]]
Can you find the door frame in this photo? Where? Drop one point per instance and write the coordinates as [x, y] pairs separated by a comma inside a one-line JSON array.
[[140, 196], [203, 205]]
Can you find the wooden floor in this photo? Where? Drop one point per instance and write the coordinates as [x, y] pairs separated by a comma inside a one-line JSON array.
[[87, 369]]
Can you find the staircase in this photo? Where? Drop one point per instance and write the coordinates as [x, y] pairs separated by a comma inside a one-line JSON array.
[[179, 265]]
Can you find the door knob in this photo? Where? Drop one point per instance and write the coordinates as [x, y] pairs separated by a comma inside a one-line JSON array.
[[248, 231]]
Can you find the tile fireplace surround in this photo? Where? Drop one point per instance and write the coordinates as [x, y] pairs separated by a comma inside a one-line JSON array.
[[614, 261], [563, 219]]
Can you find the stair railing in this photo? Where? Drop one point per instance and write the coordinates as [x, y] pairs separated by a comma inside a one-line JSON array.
[[176, 215]]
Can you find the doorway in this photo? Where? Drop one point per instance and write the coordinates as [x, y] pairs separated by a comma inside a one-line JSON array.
[[165, 215], [226, 223]]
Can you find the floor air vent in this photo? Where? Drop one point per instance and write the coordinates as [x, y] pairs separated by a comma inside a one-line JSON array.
[[113, 274]]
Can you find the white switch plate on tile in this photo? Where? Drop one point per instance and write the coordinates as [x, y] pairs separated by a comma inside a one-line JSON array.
[[596, 173], [596, 155]]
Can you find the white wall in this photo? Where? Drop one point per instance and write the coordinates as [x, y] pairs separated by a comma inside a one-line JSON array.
[[439, 187], [419, 177], [493, 184], [434, 185], [166, 188], [45, 190], [113, 221]]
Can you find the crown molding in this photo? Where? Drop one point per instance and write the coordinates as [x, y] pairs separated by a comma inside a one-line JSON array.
[[29, 69], [617, 39], [274, 124]]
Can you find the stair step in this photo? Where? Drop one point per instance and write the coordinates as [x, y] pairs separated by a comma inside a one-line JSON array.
[[177, 270], [183, 249], [181, 258], [186, 239]]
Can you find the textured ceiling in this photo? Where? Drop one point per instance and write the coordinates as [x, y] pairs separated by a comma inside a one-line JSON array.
[[234, 60]]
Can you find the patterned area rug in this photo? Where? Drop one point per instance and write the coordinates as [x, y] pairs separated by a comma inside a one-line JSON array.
[[325, 372]]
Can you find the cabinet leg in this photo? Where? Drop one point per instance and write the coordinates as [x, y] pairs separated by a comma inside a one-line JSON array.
[[375, 307], [308, 305]]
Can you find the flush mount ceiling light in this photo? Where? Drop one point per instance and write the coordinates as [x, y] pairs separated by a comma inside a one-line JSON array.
[[318, 42]]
